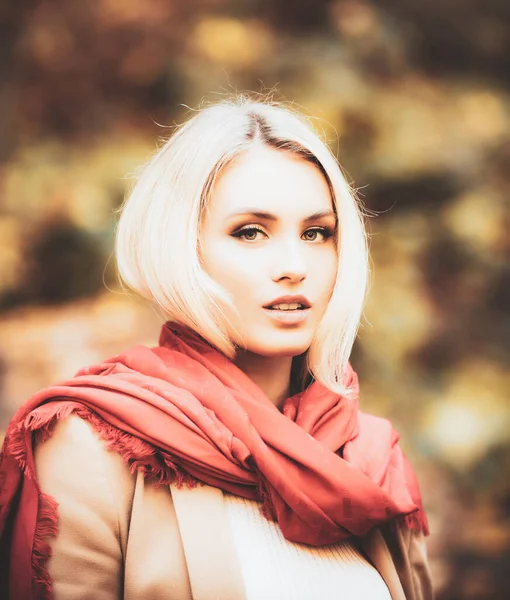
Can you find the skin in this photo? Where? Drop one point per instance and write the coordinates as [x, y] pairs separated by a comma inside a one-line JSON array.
[[287, 256]]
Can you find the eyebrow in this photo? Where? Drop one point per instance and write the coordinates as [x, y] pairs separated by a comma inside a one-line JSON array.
[[270, 217]]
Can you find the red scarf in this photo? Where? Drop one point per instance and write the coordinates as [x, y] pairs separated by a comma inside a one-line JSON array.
[[322, 469]]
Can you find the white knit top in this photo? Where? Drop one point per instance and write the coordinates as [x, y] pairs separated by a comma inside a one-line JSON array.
[[275, 569]]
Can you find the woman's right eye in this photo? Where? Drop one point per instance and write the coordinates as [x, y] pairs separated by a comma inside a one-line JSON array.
[[247, 231]]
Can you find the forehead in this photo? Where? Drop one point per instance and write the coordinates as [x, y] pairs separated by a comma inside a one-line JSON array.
[[271, 180]]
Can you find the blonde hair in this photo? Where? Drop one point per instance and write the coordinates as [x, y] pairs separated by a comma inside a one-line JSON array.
[[157, 244]]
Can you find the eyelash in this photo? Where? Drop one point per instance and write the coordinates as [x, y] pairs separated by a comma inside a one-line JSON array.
[[239, 234]]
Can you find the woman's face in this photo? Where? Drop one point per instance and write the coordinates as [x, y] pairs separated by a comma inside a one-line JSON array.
[[260, 258]]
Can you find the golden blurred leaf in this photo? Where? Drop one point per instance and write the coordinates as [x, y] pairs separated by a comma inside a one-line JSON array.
[[477, 218], [471, 414], [11, 260], [482, 115], [232, 42]]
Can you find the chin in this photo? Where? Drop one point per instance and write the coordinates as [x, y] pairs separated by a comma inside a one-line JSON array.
[[281, 343]]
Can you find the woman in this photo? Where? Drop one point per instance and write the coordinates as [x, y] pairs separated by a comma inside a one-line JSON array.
[[230, 461]]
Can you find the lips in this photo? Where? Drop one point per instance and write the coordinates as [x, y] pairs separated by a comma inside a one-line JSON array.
[[288, 318], [277, 307], [289, 299]]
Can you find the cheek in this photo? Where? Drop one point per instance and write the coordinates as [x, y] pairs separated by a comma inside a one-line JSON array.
[[325, 276], [230, 269]]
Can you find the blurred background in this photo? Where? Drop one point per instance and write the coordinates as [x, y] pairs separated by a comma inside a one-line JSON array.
[[412, 96]]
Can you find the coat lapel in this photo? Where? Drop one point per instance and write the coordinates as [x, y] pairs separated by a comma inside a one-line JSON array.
[[209, 547], [375, 548]]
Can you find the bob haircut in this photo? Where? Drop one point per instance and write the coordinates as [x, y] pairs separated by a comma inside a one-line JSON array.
[[157, 243]]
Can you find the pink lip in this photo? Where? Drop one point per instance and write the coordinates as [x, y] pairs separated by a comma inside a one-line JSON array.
[[289, 299], [289, 317]]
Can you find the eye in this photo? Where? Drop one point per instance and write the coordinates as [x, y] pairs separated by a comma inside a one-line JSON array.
[[247, 231], [326, 233]]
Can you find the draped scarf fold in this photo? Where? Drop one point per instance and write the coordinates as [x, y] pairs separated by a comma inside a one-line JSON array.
[[321, 468]]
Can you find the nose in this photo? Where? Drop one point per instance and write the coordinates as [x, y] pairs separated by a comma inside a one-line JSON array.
[[289, 262]]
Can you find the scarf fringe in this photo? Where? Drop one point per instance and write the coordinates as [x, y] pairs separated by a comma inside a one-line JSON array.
[[267, 508], [157, 467], [416, 521], [15, 446], [46, 527]]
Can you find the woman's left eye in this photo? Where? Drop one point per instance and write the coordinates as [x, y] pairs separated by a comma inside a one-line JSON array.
[[324, 232]]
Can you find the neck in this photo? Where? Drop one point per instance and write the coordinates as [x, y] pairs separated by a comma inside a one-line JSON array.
[[271, 374]]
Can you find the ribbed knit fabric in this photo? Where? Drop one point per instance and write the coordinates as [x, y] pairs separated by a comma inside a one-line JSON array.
[[275, 569]]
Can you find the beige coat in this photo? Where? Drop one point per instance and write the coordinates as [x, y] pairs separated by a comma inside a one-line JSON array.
[[123, 538]]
